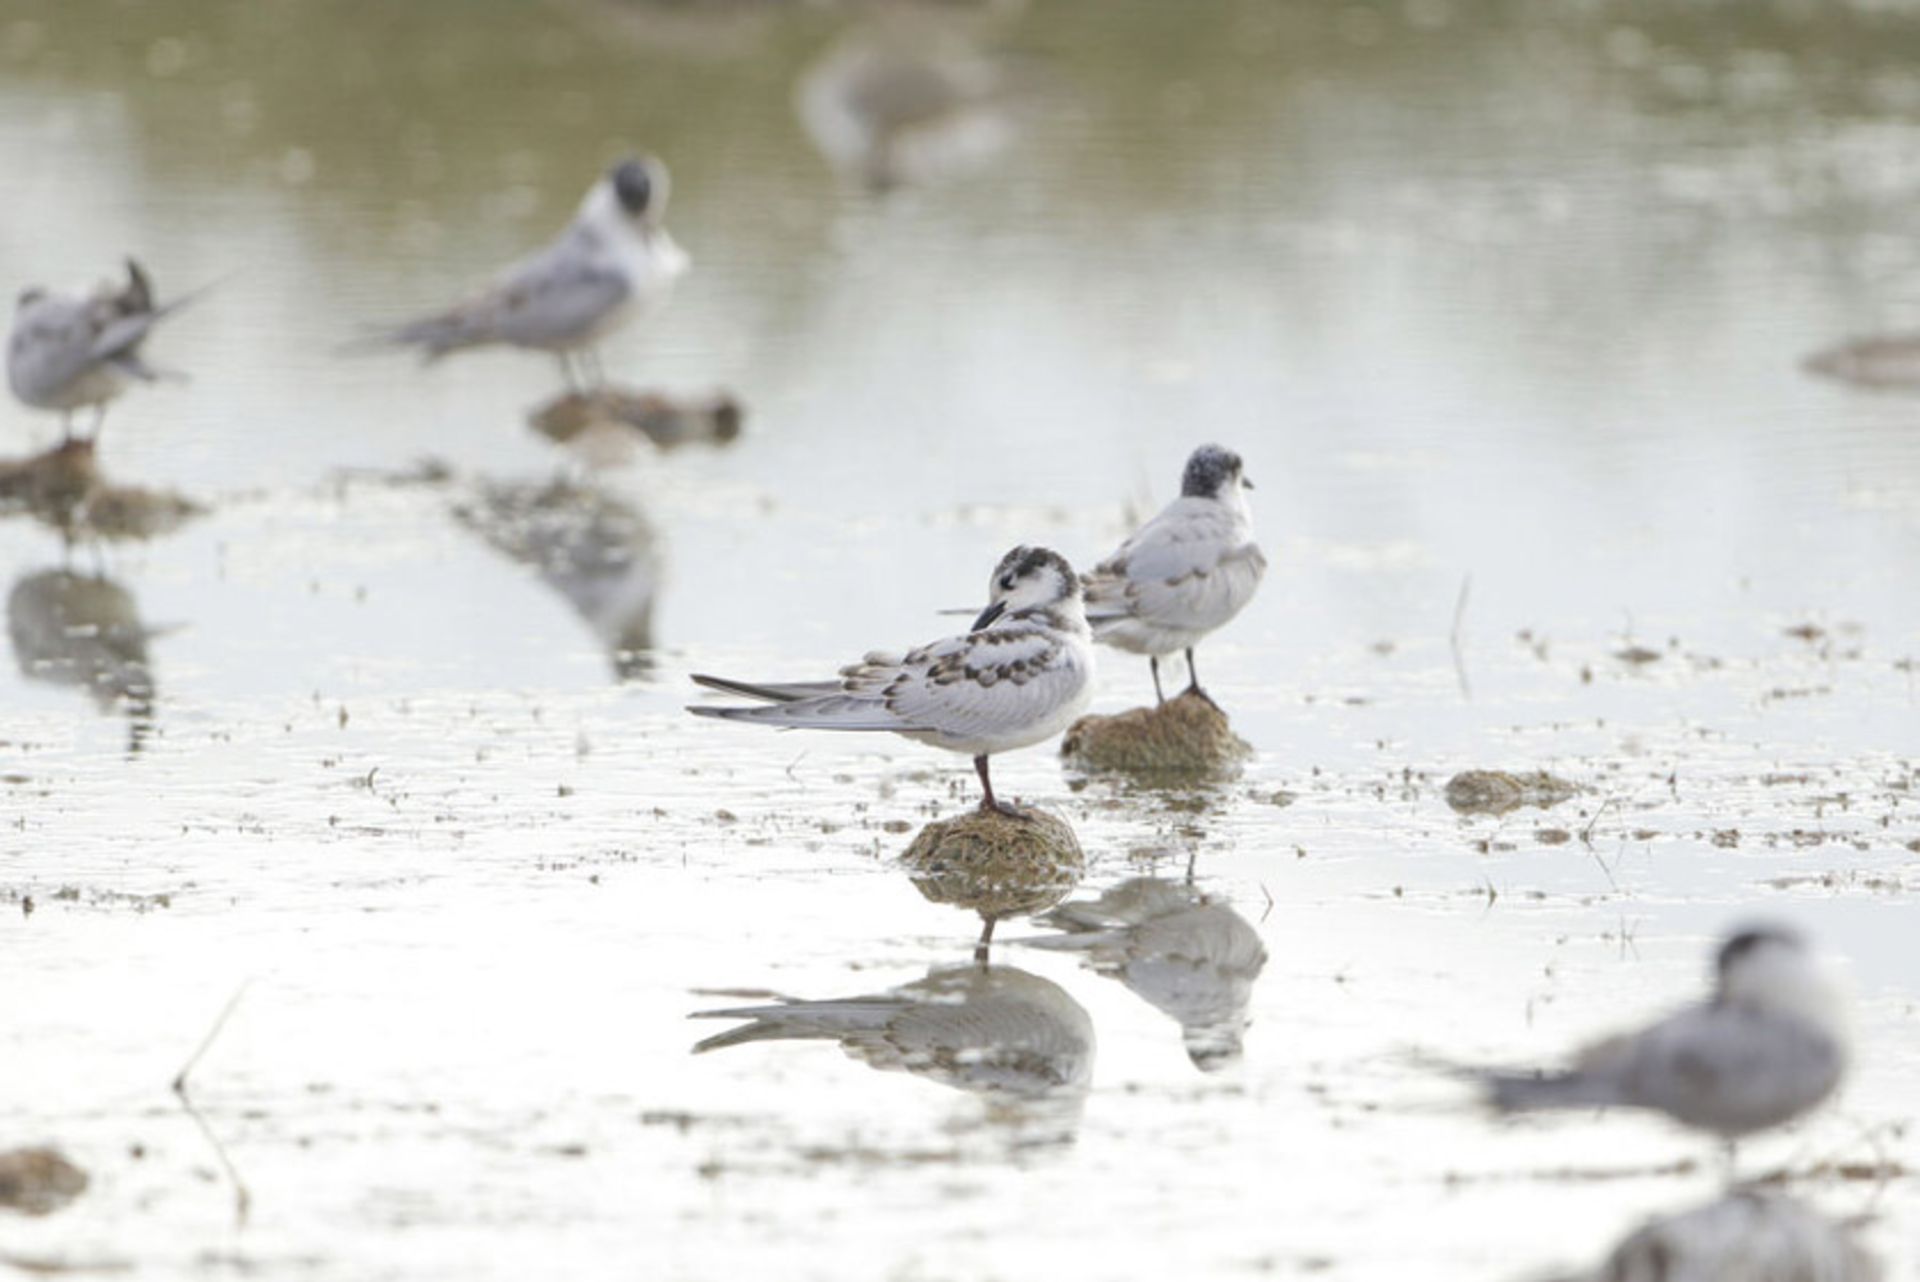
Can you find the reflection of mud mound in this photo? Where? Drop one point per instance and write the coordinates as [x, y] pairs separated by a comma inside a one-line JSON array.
[[38, 1181], [1184, 738], [596, 550], [996, 1031], [1887, 362], [1495, 792], [74, 630], [994, 864], [1188, 955], [1749, 1236], [605, 424], [904, 104], [64, 488]]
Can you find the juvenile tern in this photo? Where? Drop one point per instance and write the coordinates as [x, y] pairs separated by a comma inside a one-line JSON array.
[[1022, 674], [1184, 573], [1768, 1046], [70, 351], [614, 261]]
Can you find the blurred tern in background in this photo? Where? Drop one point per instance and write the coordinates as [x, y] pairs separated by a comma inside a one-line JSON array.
[[613, 262], [1768, 1046], [70, 351], [1184, 573], [1022, 674], [902, 102]]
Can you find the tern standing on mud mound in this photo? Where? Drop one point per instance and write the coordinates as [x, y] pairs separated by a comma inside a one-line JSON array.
[[1184, 573], [614, 261], [1770, 1045], [68, 352], [1023, 674]]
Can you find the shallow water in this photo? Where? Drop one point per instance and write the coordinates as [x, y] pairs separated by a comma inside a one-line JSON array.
[[1514, 301]]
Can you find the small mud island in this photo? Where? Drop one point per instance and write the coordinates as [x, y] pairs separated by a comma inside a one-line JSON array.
[[1184, 738]]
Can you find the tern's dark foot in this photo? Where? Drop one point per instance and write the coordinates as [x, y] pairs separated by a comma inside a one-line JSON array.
[[1194, 689], [1002, 808]]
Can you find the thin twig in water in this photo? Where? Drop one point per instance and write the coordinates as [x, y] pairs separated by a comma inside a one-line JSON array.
[[1586, 833], [242, 1199], [1453, 638]]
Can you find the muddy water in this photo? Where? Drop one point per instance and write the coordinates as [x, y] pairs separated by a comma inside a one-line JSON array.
[[1509, 300]]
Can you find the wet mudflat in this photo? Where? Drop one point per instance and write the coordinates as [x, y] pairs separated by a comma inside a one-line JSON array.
[[394, 749]]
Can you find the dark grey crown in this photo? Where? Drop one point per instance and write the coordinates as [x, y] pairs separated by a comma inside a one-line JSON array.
[[1024, 561], [633, 185], [1745, 941], [1210, 469]]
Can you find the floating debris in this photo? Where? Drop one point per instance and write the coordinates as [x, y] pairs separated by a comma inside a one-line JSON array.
[[38, 1181], [1884, 362], [1184, 738], [1495, 792], [604, 423]]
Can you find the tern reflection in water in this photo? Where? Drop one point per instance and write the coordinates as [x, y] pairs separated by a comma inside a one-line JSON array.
[[84, 630], [1751, 1235], [1015, 1039], [1189, 955], [597, 550]]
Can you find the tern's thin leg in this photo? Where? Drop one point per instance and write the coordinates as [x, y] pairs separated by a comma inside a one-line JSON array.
[[1153, 662], [66, 426], [596, 373], [1729, 1161], [986, 784], [566, 371], [99, 421], [1193, 679]]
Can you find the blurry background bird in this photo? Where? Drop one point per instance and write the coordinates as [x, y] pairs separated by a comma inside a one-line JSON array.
[[68, 351], [1770, 1044], [615, 261], [902, 101]]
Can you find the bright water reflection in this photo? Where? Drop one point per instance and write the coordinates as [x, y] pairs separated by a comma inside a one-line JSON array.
[[1509, 292]]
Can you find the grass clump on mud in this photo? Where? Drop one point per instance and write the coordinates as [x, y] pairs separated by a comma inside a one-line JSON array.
[[38, 1181], [995, 864], [1495, 792], [1185, 738]]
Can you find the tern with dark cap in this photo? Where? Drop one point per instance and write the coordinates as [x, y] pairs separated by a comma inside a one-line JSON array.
[[613, 262], [1184, 573], [1022, 674]]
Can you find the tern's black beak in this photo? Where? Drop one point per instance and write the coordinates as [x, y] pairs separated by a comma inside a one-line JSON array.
[[988, 615], [1247, 481]]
